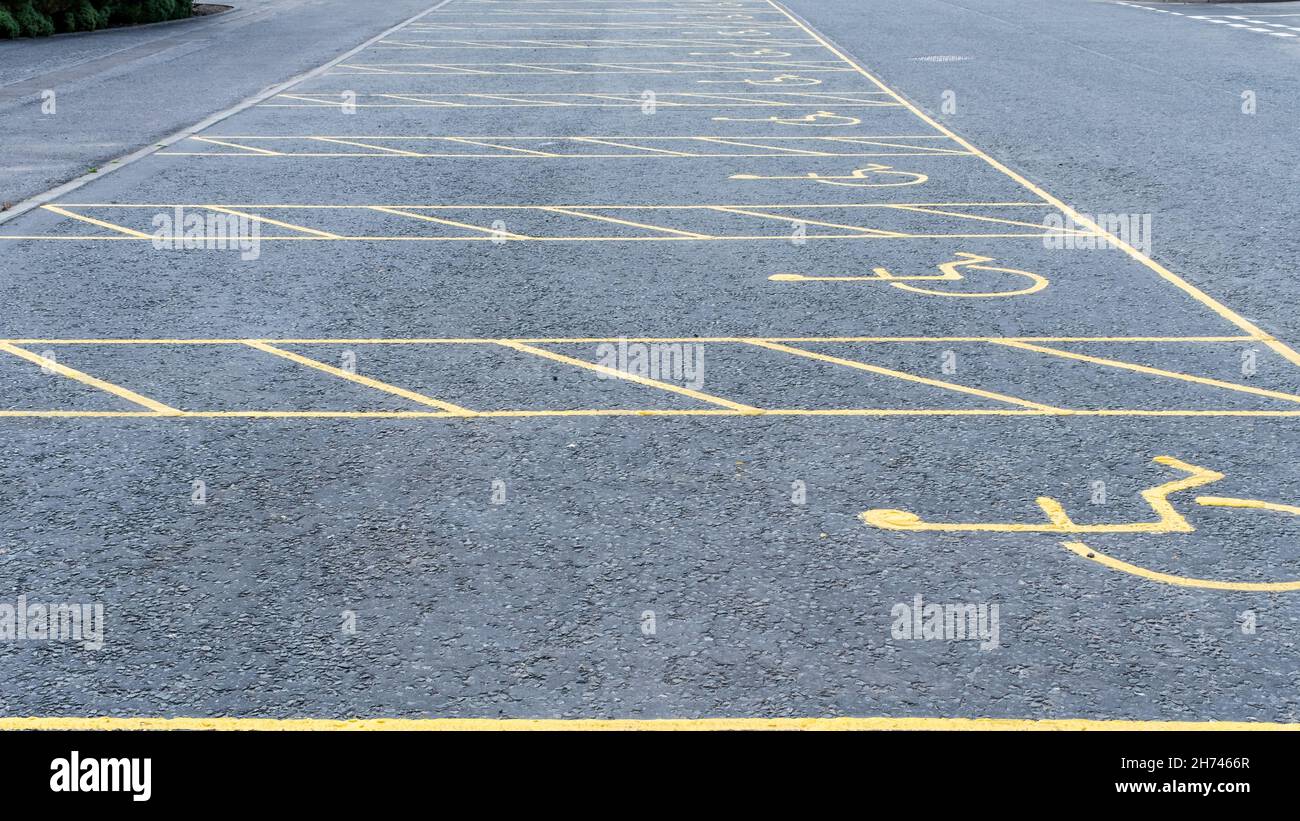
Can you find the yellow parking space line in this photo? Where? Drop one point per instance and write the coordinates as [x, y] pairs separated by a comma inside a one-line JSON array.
[[631, 377], [526, 206], [528, 151], [872, 723], [922, 148], [799, 151], [924, 210], [560, 340], [228, 144], [532, 100], [875, 232], [626, 99], [636, 147], [65, 414], [500, 414], [130, 232], [158, 408], [431, 103], [365, 145], [316, 102], [876, 369], [539, 68], [269, 221], [375, 70], [413, 215], [877, 235], [359, 379], [575, 213], [516, 413], [1130, 366]]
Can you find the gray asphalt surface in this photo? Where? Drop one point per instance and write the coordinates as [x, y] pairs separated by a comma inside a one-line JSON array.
[[535, 607], [116, 90]]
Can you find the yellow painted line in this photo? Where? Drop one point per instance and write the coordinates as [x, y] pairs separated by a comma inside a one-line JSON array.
[[631, 377], [55, 414], [365, 145], [626, 100], [529, 100], [636, 147], [262, 151], [810, 412], [505, 414], [431, 103], [799, 151], [917, 209], [371, 69], [359, 379], [501, 147], [859, 229], [1115, 363], [1080, 219], [665, 154], [269, 221], [714, 238], [882, 723], [1081, 549], [938, 152], [399, 212], [575, 213], [87, 379], [876, 369], [583, 339], [549, 138], [1250, 504], [316, 103], [536, 206], [130, 232]]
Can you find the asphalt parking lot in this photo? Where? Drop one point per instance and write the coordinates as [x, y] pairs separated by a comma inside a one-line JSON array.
[[619, 359]]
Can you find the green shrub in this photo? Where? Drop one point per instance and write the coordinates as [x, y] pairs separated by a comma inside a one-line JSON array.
[[31, 22], [80, 17], [38, 18], [8, 25]]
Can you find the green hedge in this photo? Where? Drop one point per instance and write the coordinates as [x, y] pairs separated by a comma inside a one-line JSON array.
[[41, 18]]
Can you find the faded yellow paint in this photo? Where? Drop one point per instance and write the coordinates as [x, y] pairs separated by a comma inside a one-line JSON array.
[[1089, 553], [1168, 520]]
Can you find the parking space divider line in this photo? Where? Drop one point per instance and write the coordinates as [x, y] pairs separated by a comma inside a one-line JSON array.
[[875, 232], [269, 221], [158, 408], [633, 146], [934, 383], [1131, 366], [359, 379], [574, 213], [500, 147], [365, 145], [130, 232], [400, 213], [631, 377], [265, 151]]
